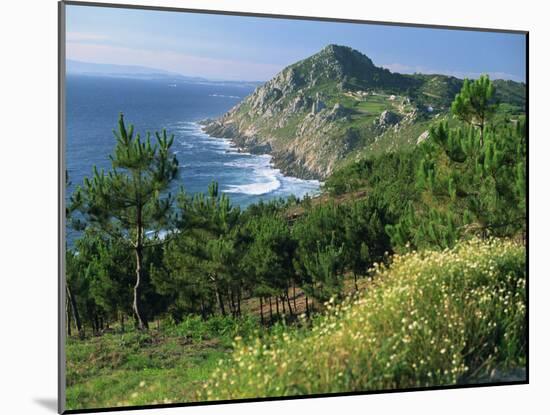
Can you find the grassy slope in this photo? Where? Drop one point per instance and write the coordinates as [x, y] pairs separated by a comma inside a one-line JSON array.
[[166, 365], [433, 318], [430, 319], [105, 373], [132, 368]]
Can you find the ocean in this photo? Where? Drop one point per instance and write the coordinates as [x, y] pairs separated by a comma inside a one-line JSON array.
[[94, 103]]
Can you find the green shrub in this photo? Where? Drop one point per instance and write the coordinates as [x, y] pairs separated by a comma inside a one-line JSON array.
[[197, 329], [431, 318]]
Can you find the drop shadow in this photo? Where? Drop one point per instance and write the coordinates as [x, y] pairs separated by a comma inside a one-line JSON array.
[[48, 403]]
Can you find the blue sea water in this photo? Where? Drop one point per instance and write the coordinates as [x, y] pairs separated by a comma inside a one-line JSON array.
[[93, 105]]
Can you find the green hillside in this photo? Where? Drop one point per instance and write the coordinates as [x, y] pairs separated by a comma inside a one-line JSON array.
[[336, 105]]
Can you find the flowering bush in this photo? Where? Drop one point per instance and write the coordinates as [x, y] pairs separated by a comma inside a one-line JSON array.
[[431, 318]]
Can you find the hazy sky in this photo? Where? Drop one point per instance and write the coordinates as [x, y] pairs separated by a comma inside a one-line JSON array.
[[250, 48]]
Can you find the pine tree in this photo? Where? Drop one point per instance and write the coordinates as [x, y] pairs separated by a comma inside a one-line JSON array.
[[325, 266], [200, 265], [269, 257], [476, 104], [365, 238], [471, 178], [321, 227], [128, 200], [71, 276]]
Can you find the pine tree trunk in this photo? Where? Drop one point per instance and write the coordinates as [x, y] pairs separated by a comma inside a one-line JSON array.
[[95, 324], [307, 307], [220, 301], [288, 302], [355, 281], [277, 305], [140, 318], [68, 311], [283, 303], [239, 302], [294, 296], [74, 311], [481, 128], [203, 309], [261, 310], [230, 303], [270, 310], [233, 304]]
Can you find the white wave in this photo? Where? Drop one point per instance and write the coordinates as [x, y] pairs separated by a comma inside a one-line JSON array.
[[195, 135], [224, 96], [185, 145], [254, 189], [195, 165], [259, 175], [265, 178], [295, 181], [243, 163], [162, 234], [299, 187], [184, 123]]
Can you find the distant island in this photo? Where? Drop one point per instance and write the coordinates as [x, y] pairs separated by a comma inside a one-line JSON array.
[[75, 67]]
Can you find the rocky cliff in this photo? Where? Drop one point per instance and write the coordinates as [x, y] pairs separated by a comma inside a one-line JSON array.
[[317, 112]]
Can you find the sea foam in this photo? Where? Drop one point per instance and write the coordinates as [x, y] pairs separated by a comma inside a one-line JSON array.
[[265, 178], [244, 174]]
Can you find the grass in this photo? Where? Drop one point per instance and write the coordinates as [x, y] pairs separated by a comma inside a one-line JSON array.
[[146, 385], [432, 318], [289, 131], [133, 368], [372, 105], [162, 366]]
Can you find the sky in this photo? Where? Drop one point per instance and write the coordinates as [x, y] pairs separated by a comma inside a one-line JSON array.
[[255, 49]]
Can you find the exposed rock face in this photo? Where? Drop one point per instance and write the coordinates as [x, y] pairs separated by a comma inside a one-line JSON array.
[[387, 119], [318, 105], [308, 154], [297, 116], [422, 137], [316, 112], [287, 119]]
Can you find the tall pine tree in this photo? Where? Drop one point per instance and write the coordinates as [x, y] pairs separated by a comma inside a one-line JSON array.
[[476, 103], [128, 200]]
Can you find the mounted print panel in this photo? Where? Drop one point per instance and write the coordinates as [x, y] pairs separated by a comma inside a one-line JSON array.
[[258, 207]]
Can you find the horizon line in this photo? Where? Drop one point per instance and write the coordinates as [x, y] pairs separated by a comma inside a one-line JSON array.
[[392, 67]]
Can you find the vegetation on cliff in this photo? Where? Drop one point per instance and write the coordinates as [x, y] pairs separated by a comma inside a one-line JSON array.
[[336, 106]]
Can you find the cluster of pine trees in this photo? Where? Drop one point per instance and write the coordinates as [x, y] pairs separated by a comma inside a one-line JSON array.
[[461, 181], [145, 253], [470, 179]]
